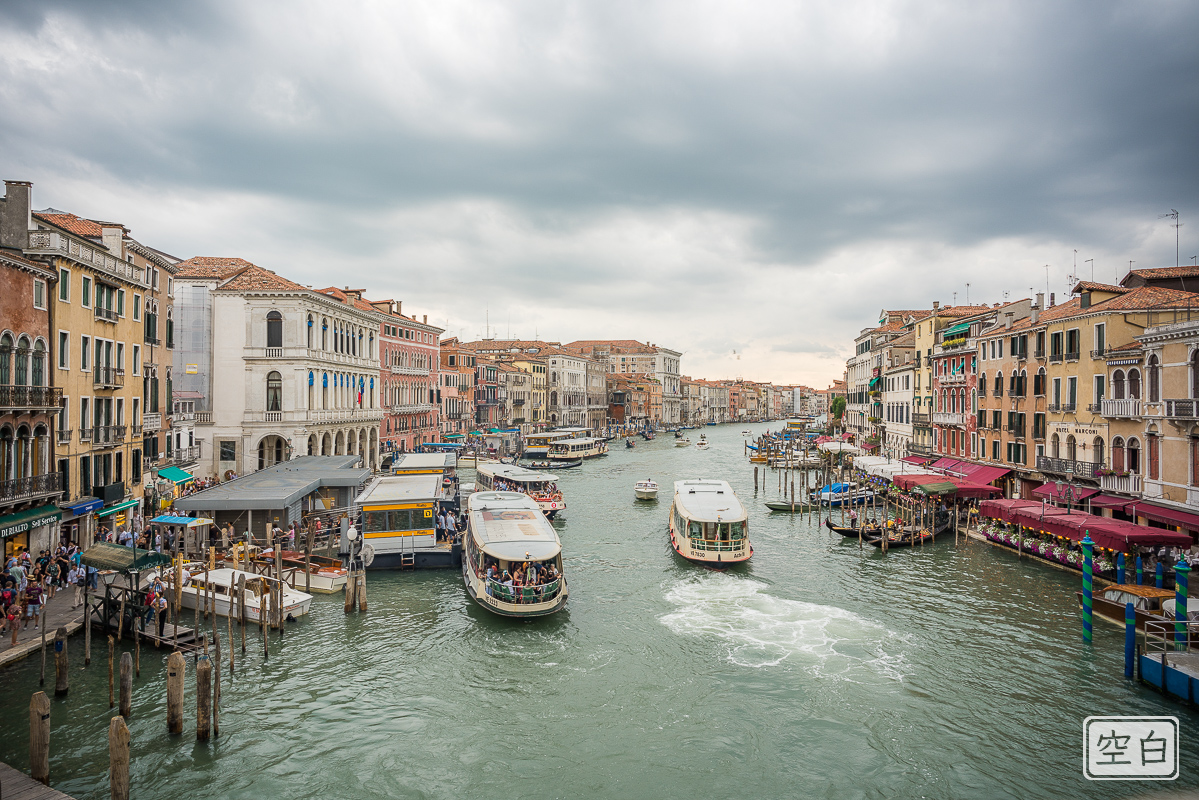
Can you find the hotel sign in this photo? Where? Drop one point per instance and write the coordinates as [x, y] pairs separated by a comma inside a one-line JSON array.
[[1064, 429]]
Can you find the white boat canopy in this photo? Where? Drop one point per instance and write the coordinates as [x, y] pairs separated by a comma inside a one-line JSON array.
[[881, 467], [509, 526], [838, 447]]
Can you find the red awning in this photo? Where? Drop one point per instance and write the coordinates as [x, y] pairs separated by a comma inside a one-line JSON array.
[[1114, 534], [1109, 501], [1003, 508], [1052, 491], [981, 473], [907, 480], [1170, 515], [968, 488], [918, 460], [945, 463], [869, 447]]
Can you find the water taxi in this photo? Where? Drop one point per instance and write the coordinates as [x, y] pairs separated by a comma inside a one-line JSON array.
[[541, 486], [747, 432], [684, 442], [223, 585], [512, 558], [708, 524], [646, 489], [702, 444], [1148, 603], [570, 449]]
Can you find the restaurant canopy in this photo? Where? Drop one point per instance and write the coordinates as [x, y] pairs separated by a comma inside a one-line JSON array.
[[962, 487], [838, 447], [176, 475], [1059, 491], [1114, 534], [106, 555], [1170, 515], [935, 488]]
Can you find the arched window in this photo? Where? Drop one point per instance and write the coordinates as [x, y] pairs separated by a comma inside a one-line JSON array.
[[1118, 385], [1134, 384], [274, 329], [1134, 456], [21, 373], [324, 334], [1118, 454], [310, 332], [1071, 448], [39, 364], [1195, 374], [5, 359], [999, 384], [982, 383], [973, 401], [274, 392], [1153, 377], [1055, 447], [1099, 453]]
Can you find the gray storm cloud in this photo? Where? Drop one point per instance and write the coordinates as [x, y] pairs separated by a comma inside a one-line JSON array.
[[714, 176]]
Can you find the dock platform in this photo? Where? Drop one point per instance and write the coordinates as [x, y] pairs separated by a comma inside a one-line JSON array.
[[16, 785]]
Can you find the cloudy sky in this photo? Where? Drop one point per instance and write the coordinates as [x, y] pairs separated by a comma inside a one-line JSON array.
[[759, 178]]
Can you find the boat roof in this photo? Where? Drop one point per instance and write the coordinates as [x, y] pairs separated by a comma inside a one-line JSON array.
[[706, 500], [401, 488], [423, 461], [1140, 590], [579, 440], [511, 472], [510, 526], [226, 576], [563, 433]]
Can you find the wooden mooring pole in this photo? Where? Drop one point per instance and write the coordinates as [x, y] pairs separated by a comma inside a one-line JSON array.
[[126, 707], [203, 698], [110, 651], [39, 738], [62, 671], [118, 759], [176, 668]]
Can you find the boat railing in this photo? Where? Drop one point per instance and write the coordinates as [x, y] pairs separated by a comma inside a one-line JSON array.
[[524, 594], [716, 545], [1162, 637]]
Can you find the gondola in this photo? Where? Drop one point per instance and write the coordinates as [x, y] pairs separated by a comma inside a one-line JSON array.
[[847, 532], [629, 443], [552, 465], [774, 505]]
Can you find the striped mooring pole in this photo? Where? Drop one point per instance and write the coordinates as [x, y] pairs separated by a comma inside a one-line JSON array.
[[1130, 638], [1181, 572], [1120, 568], [1140, 571], [1160, 575], [1087, 582]]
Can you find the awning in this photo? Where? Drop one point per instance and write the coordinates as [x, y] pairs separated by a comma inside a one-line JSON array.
[[176, 475], [981, 473], [1110, 501], [172, 519], [950, 464], [84, 506], [936, 488], [1004, 508], [1052, 491], [1170, 515], [918, 460], [873, 383], [108, 512], [106, 555], [954, 330], [12, 524], [1113, 534]]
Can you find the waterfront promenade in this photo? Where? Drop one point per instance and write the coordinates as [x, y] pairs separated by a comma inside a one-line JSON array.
[[56, 613]]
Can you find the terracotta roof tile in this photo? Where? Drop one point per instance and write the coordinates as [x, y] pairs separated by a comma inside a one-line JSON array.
[[72, 224], [1092, 286], [211, 267], [1157, 273]]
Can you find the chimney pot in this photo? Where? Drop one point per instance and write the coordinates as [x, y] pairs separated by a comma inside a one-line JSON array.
[[14, 215], [1040, 299], [1052, 299], [936, 305]]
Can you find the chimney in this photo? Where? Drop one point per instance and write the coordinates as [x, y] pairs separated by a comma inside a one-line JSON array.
[[1052, 301], [399, 307], [112, 236], [426, 319], [1007, 322], [936, 305], [1036, 313], [1040, 300], [14, 215]]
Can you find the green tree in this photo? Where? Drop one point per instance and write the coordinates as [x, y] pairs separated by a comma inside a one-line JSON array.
[[837, 408]]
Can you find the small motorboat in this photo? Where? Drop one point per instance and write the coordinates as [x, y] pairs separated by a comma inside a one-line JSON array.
[[678, 434], [646, 489], [702, 444], [553, 465], [629, 443], [747, 433], [684, 442]]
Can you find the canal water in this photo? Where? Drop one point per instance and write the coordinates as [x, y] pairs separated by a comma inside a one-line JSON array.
[[815, 670]]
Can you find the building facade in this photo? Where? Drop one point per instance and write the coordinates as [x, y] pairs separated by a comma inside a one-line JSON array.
[[409, 374]]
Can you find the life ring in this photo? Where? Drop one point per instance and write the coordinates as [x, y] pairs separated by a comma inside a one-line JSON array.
[[558, 496]]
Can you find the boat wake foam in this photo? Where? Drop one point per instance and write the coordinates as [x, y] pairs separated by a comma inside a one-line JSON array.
[[761, 630]]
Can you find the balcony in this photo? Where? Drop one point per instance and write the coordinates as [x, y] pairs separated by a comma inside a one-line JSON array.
[[1126, 408], [105, 315], [949, 418], [151, 340], [1017, 431], [1055, 358], [1074, 356], [151, 422], [30, 487], [64, 435], [1038, 434], [398, 370], [204, 417], [997, 392], [920, 449], [1021, 355], [184, 455], [272, 352], [1101, 353], [1182, 409], [30, 398], [105, 435], [953, 380], [1068, 408], [1124, 484], [1038, 354], [1063, 466], [1054, 408], [410, 408], [108, 377]]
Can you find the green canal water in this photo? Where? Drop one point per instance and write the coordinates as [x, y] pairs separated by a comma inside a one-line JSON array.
[[813, 671]]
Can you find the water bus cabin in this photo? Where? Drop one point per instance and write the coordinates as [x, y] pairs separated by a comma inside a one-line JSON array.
[[570, 449], [399, 523], [538, 444], [708, 524], [541, 486], [222, 583], [512, 558]]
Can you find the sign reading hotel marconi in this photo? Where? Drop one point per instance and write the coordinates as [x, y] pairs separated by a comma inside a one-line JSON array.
[[1076, 430]]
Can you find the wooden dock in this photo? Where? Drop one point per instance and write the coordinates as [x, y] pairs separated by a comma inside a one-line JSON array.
[[16, 785]]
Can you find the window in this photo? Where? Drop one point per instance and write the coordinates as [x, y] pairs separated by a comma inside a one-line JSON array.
[[120, 363], [1100, 338], [1073, 339], [1038, 383], [1134, 456], [64, 350], [1100, 386], [1118, 385], [1153, 441], [1057, 392], [137, 308], [38, 376], [1098, 453], [64, 285], [137, 359], [1134, 384], [1072, 391], [1055, 344], [120, 302], [85, 344], [1153, 378], [274, 392], [995, 450], [1118, 454], [274, 329], [87, 292], [228, 450], [310, 330], [39, 294]]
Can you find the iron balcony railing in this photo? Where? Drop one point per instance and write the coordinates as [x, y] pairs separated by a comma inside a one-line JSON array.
[[1100, 353], [923, 420], [104, 435], [1039, 353], [1068, 408], [1055, 358], [1064, 466], [63, 435], [19, 489], [1073, 356], [1182, 409], [105, 314], [32, 398], [152, 340], [108, 377]]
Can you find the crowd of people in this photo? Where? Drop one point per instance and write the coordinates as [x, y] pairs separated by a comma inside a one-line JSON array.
[[28, 582], [449, 527], [507, 583]]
